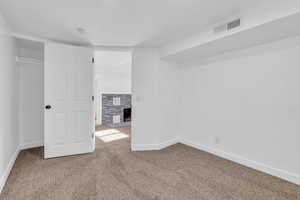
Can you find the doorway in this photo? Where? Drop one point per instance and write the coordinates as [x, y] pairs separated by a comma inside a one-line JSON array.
[[113, 95], [30, 62], [57, 107]]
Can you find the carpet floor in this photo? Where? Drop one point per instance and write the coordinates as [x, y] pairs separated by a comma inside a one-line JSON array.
[[113, 172]]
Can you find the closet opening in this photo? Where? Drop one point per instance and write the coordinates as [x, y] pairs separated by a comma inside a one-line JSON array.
[[30, 63]]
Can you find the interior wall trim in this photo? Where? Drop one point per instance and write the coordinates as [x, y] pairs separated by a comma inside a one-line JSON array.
[[150, 147], [288, 176], [283, 174], [8, 169], [31, 145]]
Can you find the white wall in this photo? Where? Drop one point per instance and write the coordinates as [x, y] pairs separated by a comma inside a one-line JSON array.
[[31, 105], [246, 108], [9, 116], [114, 79], [250, 18], [30, 63], [169, 98], [155, 99], [113, 70], [112, 75]]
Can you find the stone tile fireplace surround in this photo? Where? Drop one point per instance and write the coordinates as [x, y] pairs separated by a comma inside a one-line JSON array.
[[114, 108]]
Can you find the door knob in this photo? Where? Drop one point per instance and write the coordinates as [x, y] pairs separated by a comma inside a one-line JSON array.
[[48, 107]]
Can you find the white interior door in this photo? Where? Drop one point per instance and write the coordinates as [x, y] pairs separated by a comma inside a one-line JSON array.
[[68, 77]]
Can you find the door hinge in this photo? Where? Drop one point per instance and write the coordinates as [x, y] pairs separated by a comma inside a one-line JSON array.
[[93, 135]]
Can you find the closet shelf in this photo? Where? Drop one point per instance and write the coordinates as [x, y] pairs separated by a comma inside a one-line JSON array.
[[28, 60]]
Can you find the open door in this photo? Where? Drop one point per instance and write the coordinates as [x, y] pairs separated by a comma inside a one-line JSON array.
[[68, 115]]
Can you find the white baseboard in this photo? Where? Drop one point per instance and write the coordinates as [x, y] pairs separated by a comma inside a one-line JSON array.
[[10, 165], [294, 178], [151, 147], [291, 177], [31, 145]]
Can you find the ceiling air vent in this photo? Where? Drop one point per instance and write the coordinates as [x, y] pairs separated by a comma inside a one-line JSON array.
[[234, 24], [226, 27]]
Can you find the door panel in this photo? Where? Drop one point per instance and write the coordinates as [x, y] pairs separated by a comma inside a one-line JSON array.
[[68, 89]]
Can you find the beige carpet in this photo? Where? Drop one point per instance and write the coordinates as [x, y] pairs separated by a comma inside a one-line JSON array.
[[113, 172]]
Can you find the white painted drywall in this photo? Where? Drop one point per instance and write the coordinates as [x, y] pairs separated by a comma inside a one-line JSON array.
[[155, 99], [9, 116], [30, 62], [31, 105], [246, 108], [112, 75], [254, 16], [113, 71], [131, 23], [169, 98], [114, 79]]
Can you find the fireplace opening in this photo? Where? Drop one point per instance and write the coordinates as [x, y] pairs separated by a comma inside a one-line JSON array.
[[127, 114]]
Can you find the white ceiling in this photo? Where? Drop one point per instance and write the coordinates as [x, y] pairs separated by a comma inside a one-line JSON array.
[[117, 22]]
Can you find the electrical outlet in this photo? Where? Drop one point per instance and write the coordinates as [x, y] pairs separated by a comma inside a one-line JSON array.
[[116, 119], [116, 101], [217, 140]]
